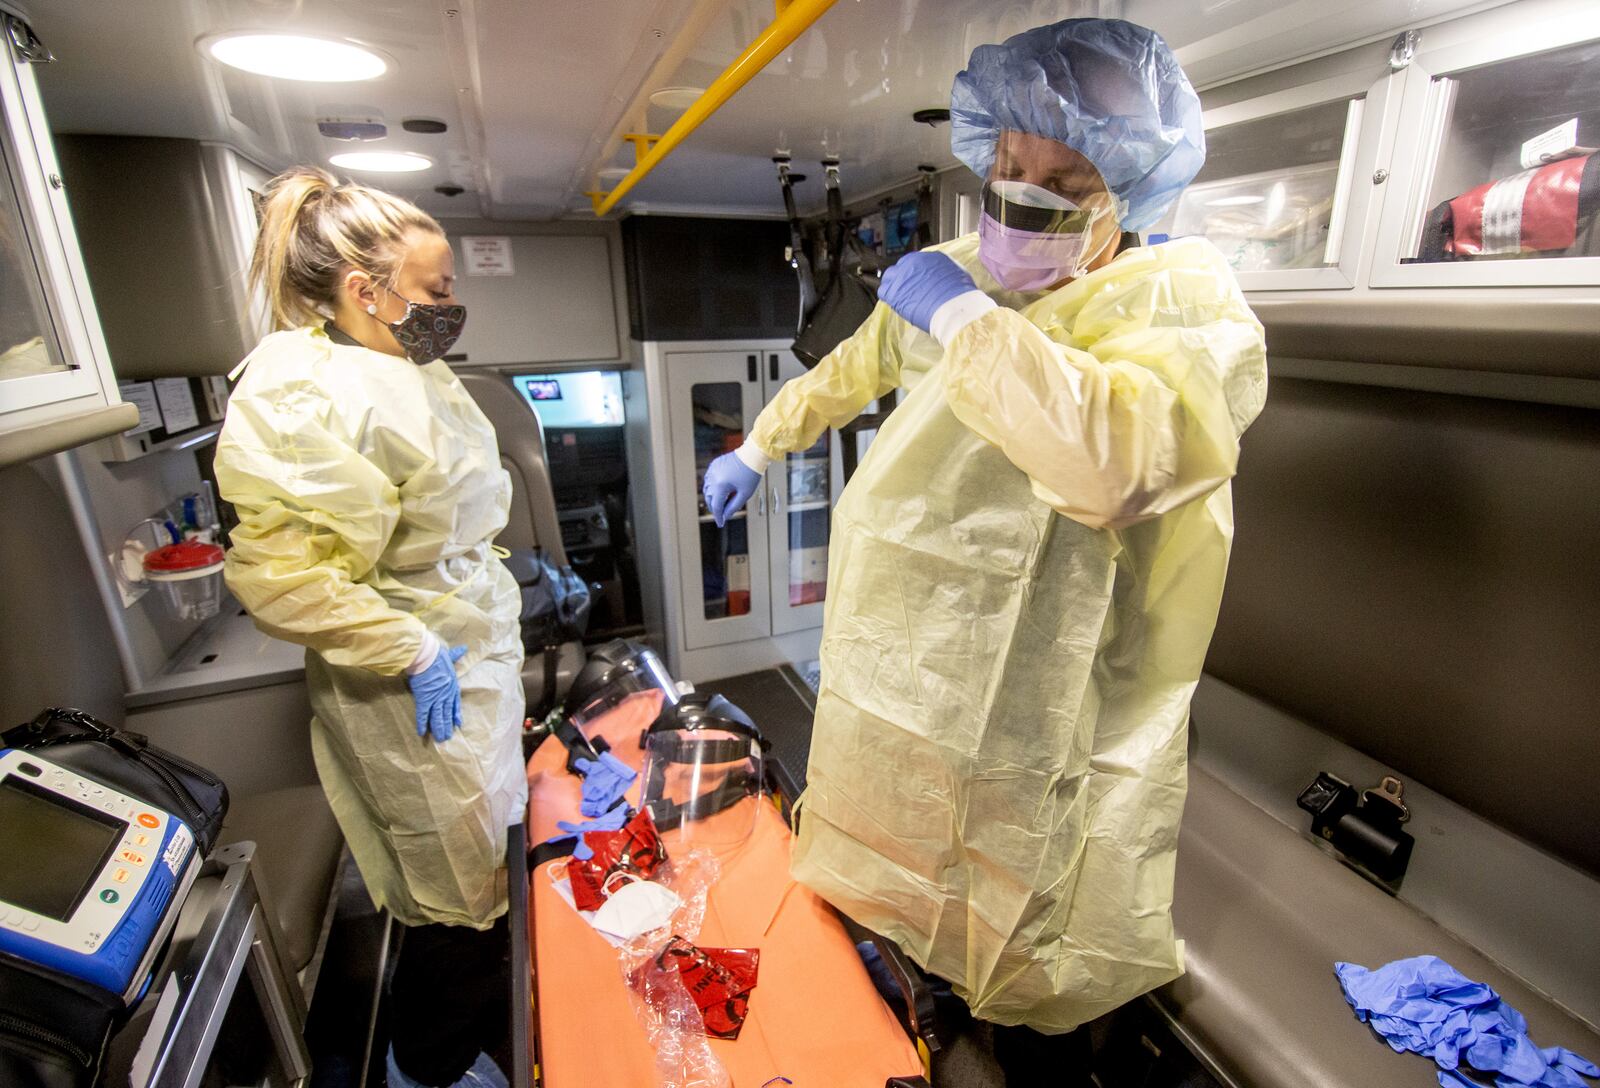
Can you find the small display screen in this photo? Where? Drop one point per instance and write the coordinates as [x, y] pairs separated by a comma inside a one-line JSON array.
[[51, 848], [574, 399]]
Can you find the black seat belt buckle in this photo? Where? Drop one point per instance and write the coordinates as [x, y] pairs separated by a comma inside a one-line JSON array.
[[1364, 827]]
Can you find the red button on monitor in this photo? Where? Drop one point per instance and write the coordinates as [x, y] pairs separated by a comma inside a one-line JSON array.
[[148, 820]]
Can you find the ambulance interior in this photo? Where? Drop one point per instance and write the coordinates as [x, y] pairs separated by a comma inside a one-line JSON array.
[[1410, 615]]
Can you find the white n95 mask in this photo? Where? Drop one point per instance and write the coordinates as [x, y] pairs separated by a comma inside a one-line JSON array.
[[636, 908]]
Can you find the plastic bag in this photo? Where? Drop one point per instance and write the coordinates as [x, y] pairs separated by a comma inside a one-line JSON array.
[[635, 850], [720, 980], [663, 1004]]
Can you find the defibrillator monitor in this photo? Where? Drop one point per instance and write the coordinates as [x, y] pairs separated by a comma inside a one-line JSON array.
[[90, 878]]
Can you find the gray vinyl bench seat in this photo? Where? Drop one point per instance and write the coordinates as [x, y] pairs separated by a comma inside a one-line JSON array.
[[1265, 914]]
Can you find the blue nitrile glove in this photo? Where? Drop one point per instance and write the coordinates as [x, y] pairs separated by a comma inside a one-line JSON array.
[[438, 695], [605, 780], [1426, 1006], [611, 821], [919, 283], [728, 486]]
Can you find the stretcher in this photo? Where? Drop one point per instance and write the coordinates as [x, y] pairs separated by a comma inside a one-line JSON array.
[[814, 1020]]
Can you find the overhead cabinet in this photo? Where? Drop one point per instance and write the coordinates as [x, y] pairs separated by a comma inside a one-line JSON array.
[[536, 298], [1277, 193], [1500, 184], [701, 279], [57, 388], [167, 228], [1464, 155]]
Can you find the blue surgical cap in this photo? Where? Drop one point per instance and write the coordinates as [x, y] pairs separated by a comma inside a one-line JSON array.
[[1110, 90]]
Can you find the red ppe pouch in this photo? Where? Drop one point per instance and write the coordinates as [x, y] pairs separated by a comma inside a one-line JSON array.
[[635, 849], [718, 979]]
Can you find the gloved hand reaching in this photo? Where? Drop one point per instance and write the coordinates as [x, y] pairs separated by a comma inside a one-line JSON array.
[[438, 695], [728, 486], [919, 283]]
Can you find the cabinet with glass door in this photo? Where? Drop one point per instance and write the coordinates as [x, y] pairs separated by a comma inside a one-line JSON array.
[[763, 572], [55, 374], [1501, 185]]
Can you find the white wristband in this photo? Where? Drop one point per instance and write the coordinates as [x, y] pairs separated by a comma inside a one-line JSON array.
[[957, 313], [430, 650], [752, 458]]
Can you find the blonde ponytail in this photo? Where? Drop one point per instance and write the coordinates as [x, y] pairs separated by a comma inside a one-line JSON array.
[[314, 230]]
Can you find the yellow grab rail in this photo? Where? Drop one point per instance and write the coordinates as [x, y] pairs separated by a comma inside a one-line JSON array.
[[794, 19]]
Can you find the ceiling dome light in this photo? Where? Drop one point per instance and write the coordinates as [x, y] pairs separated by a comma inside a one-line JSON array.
[[295, 56], [382, 162], [676, 98]]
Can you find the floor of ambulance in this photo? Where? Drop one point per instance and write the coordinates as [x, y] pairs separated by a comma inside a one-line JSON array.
[[781, 701]]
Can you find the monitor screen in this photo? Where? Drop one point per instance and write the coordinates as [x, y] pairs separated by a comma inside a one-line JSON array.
[[580, 398], [51, 848]]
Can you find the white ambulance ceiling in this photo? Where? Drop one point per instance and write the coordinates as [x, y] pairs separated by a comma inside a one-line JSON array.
[[534, 93]]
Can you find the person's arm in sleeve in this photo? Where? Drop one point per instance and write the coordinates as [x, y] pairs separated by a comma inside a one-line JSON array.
[[315, 515], [831, 394], [1135, 426]]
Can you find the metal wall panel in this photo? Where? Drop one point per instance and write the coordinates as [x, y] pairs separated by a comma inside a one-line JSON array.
[[1416, 573]]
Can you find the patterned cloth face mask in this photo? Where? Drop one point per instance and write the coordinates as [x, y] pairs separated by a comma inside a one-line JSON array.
[[427, 331]]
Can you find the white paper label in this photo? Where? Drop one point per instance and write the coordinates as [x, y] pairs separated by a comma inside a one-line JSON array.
[[738, 573], [177, 404], [216, 390], [488, 256], [142, 395], [1548, 146]]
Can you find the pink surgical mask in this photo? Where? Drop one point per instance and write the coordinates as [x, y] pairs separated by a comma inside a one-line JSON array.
[[1030, 237]]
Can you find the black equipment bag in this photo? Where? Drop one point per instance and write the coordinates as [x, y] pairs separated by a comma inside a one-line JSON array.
[[555, 610], [849, 295], [54, 1029], [132, 764]]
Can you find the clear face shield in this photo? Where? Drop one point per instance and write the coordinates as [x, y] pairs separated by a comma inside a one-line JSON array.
[[1046, 216], [617, 673], [704, 771]]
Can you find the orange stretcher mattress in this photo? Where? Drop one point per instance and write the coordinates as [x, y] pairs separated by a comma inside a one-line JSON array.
[[814, 1016]]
